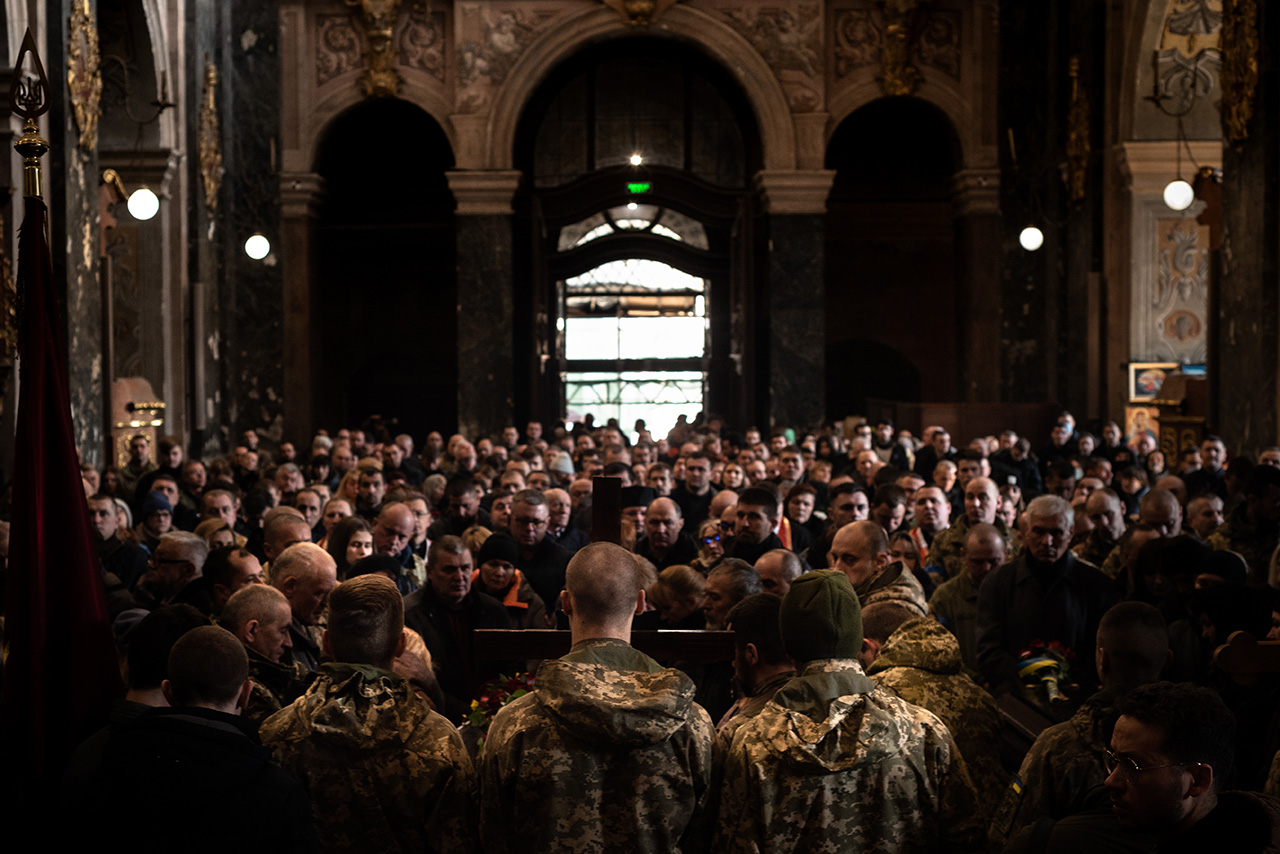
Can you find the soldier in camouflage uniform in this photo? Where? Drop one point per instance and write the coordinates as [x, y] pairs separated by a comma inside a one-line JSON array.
[[1106, 512], [919, 660], [384, 772], [981, 500], [760, 662], [1066, 761], [1252, 530], [861, 551], [955, 603], [260, 616], [608, 752], [836, 763]]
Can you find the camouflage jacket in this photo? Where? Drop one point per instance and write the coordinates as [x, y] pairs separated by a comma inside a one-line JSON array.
[[947, 549], [274, 686], [385, 773], [607, 753], [1255, 544], [747, 708], [1096, 548], [921, 663], [836, 763], [1063, 765], [896, 584], [955, 605]]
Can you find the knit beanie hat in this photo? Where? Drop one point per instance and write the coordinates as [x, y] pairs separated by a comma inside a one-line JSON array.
[[498, 547], [562, 463], [154, 503], [821, 617]]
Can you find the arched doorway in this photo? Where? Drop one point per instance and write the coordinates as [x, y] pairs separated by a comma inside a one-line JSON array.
[[385, 288], [627, 273], [891, 296]]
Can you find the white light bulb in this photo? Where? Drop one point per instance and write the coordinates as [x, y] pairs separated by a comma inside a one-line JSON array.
[[636, 160], [1031, 238], [1179, 195], [632, 206], [143, 204], [257, 247]]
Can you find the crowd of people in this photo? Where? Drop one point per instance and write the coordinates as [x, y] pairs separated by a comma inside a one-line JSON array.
[[300, 622]]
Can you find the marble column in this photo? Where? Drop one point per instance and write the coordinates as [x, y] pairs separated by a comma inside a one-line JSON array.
[[976, 194], [795, 203], [252, 319], [300, 196], [71, 192], [1245, 360], [486, 321]]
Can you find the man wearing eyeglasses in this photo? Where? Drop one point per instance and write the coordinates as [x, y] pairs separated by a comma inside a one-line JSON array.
[[542, 560], [1171, 754]]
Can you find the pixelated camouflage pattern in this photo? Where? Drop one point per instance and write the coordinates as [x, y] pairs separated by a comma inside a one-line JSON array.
[[747, 708], [947, 549], [1272, 786], [1246, 539], [1112, 565], [955, 605], [274, 686], [920, 662], [384, 772], [836, 763], [896, 584], [1062, 766], [1096, 548], [599, 758]]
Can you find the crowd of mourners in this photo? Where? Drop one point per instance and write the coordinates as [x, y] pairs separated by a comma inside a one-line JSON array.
[[984, 646]]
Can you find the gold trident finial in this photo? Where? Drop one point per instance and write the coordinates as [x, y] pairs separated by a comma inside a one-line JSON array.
[[29, 97]]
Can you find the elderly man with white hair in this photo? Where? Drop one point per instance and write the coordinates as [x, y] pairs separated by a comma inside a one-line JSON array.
[[1047, 595]]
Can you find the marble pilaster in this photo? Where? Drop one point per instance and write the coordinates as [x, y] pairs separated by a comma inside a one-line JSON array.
[[252, 323], [300, 195], [486, 317], [976, 196], [794, 270]]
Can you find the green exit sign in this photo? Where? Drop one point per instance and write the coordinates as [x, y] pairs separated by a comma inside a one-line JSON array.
[[634, 187]]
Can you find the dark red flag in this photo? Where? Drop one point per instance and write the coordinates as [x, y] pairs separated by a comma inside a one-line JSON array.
[[61, 674]]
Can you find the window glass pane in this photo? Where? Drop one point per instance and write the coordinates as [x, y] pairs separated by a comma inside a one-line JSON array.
[[639, 272], [659, 397]]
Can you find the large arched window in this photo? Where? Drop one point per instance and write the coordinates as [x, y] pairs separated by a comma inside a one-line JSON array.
[[644, 316], [639, 152]]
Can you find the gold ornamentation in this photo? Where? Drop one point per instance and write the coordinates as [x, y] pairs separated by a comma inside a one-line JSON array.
[[29, 97], [83, 77], [638, 12], [1077, 134], [1239, 75], [897, 75], [380, 78], [210, 141]]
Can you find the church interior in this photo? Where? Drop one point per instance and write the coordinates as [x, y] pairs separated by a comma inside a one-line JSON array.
[[481, 212]]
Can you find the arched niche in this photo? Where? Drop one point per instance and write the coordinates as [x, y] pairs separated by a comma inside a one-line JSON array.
[[891, 252], [343, 93], [695, 28], [964, 121], [383, 297]]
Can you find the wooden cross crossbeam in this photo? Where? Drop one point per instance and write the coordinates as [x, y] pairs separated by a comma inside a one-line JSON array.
[[1245, 658]]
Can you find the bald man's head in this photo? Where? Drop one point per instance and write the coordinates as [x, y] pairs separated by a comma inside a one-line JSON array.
[[305, 573], [284, 530], [981, 500], [1160, 509], [602, 583], [984, 551]]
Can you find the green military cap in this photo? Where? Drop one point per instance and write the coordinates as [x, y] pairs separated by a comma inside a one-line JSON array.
[[821, 617]]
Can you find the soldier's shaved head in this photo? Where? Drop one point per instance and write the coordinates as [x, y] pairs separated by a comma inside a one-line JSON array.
[[602, 581]]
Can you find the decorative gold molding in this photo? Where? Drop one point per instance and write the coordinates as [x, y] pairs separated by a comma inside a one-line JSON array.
[[84, 80], [1239, 75], [1077, 134], [380, 78], [897, 75], [639, 13], [210, 141]]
